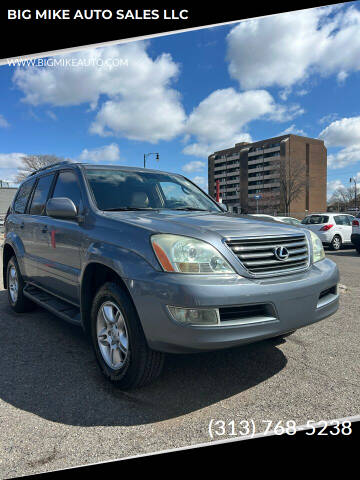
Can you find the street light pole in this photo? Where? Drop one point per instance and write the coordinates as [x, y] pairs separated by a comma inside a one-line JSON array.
[[150, 153], [353, 180]]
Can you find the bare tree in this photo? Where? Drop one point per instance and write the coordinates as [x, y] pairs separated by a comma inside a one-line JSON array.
[[31, 163], [343, 197], [292, 183], [269, 202]]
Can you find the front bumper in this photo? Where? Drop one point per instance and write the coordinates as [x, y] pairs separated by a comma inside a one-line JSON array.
[[295, 299]]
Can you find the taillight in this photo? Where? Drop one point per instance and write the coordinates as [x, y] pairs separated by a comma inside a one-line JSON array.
[[355, 223], [326, 227]]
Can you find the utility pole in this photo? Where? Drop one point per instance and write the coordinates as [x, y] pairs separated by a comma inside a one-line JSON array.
[[150, 153], [355, 183]]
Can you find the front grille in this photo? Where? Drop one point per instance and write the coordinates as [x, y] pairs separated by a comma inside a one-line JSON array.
[[258, 254]]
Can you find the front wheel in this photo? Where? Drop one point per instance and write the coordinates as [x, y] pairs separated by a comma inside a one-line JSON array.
[[15, 288], [336, 243], [119, 342]]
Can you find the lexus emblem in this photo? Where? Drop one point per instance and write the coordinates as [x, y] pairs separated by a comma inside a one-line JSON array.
[[281, 253]]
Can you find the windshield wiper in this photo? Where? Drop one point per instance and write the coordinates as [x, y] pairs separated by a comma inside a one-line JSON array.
[[191, 209], [126, 209]]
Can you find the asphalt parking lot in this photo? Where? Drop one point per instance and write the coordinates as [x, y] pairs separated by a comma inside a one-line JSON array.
[[57, 411]]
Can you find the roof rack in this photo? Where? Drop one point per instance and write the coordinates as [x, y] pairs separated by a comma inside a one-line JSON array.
[[65, 162]]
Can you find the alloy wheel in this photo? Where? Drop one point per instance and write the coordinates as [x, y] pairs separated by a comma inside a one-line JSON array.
[[13, 284], [112, 335]]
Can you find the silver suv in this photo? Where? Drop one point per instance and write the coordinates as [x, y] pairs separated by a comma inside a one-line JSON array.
[[147, 263]]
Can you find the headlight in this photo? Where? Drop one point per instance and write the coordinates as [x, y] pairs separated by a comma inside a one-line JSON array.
[[317, 248], [188, 255]]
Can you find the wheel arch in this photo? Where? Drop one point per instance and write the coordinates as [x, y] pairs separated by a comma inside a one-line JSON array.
[[338, 234], [94, 276], [8, 252]]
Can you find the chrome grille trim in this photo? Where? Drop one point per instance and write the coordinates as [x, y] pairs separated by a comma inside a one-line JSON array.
[[256, 254]]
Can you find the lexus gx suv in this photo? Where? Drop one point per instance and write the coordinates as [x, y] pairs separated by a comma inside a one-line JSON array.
[[147, 263]]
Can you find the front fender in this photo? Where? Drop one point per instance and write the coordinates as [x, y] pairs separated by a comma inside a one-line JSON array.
[[126, 263]]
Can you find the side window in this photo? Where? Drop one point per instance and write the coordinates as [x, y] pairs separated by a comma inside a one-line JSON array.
[[341, 220], [40, 195], [67, 185], [23, 196]]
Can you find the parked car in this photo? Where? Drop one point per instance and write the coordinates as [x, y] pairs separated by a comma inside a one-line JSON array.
[[146, 263], [333, 229], [289, 220], [355, 233]]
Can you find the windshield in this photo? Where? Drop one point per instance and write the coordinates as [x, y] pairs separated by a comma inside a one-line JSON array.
[[115, 189]]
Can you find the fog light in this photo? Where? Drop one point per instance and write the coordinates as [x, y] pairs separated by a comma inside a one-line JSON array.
[[194, 316]]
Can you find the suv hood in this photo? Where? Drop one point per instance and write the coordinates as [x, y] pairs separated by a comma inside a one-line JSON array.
[[194, 223]]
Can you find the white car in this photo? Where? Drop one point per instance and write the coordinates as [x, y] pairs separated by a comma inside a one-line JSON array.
[[334, 229], [288, 220]]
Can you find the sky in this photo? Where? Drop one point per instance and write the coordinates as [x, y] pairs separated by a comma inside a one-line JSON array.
[[189, 94]]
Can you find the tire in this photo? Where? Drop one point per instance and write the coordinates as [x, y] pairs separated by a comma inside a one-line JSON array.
[[15, 288], [336, 243], [121, 351]]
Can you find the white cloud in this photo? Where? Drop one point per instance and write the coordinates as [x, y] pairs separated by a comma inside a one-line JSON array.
[[221, 119], [11, 160], [140, 103], [333, 185], [328, 118], [293, 129], [200, 181], [287, 48], [194, 166], [142, 117], [3, 122], [344, 157], [343, 133], [107, 153]]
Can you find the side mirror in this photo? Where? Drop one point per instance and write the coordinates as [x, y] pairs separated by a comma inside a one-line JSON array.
[[223, 206], [61, 208]]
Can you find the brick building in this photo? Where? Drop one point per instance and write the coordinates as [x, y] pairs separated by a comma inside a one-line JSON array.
[[259, 176]]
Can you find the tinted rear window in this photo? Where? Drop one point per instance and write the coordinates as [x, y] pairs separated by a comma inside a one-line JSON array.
[[40, 195], [23, 196], [316, 219]]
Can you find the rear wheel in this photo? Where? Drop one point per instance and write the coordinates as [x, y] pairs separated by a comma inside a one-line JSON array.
[[336, 243], [119, 342], [15, 288]]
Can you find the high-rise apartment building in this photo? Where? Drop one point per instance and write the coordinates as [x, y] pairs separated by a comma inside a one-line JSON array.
[[280, 175]]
